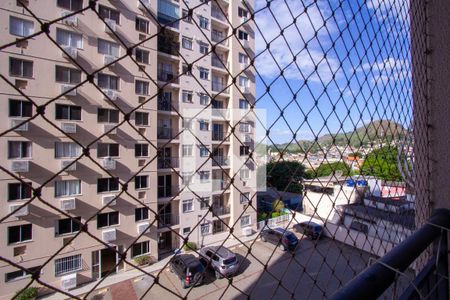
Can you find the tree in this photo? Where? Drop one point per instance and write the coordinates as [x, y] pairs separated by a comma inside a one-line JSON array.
[[331, 168], [382, 163], [285, 175]]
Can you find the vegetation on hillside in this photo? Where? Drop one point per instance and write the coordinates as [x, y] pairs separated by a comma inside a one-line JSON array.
[[382, 163]]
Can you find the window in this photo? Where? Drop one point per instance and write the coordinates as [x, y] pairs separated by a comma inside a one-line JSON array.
[[243, 81], [70, 4], [20, 68], [185, 15], [67, 226], [245, 220], [20, 233], [109, 82], [141, 118], [204, 48], [20, 274], [245, 197], [204, 125], [19, 149], [67, 149], [186, 230], [108, 13], [204, 151], [140, 249], [242, 12], [20, 108], [204, 202], [69, 38], [107, 184], [243, 35], [203, 22], [67, 112], [141, 87], [244, 127], [142, 56], [186, 43], [243, 58], [141, 150], [68, 264], [188, 205], [19, 191], [107, 150], [204, 176], [244, 174], [107, 219], [140, 213], [186, 150], [141, 25], [186, 177], [67, 75], [141, 182], [67, 188], [244, 150], [204, 229], [108, 48], [243, 104], [186, 123], [20, 27], [185, 70], [105, 115], [204, 99], [204, 73], [187, 96]]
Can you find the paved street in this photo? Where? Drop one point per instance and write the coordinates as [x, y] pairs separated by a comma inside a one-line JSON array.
[[307, 275]]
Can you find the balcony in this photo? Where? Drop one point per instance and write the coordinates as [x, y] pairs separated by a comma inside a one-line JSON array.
[[219, 87], [220, 136], [168, 46], [168, 162], [168, 219], [217, 14], [219, 39], [166, 133], [168, 191], [165, 105], [221, 210], [221, 161], [219, 184], [216, 62], [168, 77]]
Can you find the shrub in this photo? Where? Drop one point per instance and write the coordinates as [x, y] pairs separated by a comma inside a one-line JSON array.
[[275, 214], [28, 293], [190, 246], [262, 216], [143, 260]]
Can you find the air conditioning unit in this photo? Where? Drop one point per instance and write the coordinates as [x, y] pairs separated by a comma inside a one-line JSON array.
[[108, 127], [143, 4], [71, 21], [247, 138], [66, 87], [107, 59], [69, 281], [142, 227], [110, 199], [247, 231], [23, 127], [109, 235], [20, 212], [109, 163], [111, 24], [112, 95], [66, 163], [69, 127], [68, 204], [70, 51], [20, 166]]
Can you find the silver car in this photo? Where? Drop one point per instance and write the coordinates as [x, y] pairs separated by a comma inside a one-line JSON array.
[[223, 261]]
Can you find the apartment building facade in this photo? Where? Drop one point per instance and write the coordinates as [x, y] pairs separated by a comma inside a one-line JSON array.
[[113, 154]]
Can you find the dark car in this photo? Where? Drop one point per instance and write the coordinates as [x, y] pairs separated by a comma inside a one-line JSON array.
[[310, 229], [280, 236], [188, 268], [222, 260]]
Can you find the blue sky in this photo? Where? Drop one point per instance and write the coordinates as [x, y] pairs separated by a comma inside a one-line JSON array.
[[372, 82]]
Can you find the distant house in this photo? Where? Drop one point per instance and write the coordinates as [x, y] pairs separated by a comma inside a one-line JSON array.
[[266, 199]]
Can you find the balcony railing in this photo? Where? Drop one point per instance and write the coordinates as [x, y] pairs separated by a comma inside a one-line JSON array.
[[220, 136], [216, 13], [166, 133], [165, 105], [168, 219], [216, 62], [432, 280], [219, 38], [221, 210], [168, 77], [220, 87], [167, 191], [168, 162], [221, 161], [168, 46], [219, 184]]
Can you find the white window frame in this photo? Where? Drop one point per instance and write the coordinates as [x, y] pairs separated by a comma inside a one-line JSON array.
[[67, 150], [71, 187], [187, 96], [244, 198], [109, 48], [203, 73], [187, 43], [205, 229], [21, 144], [247, 218], [73, 42], [141, 244], [138, 184], [187, 205], [244, 174], [204, 176], [20, 27], [141, 87], [68, 264], [186, 150]]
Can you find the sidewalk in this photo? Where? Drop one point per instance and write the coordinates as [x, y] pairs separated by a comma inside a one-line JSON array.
[[127, 275]]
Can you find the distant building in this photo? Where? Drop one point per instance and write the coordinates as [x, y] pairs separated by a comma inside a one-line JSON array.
[[290, 200]]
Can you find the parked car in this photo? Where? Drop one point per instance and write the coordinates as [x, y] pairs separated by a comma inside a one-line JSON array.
[[222, 260], [280, 236], [188, 268], [310, 229]]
